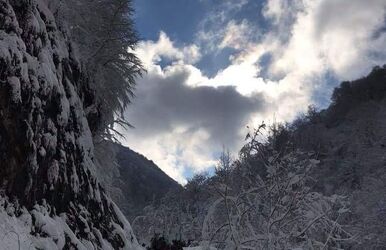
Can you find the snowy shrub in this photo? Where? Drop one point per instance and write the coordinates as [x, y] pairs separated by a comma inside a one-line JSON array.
[[160, 243], [46, 146], [105, 37], [278, 210]]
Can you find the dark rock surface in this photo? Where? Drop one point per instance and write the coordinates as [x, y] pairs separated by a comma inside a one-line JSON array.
[[46, 147]]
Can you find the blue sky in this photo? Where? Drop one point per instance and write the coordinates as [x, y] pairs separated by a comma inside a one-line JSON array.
[[216, 66], [177, 18], [182, 20]]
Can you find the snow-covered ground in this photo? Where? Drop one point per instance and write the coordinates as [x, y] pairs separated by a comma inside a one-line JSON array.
[[36, 229]]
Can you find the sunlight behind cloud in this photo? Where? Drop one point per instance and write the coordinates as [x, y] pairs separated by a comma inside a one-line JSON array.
[[307, 41]]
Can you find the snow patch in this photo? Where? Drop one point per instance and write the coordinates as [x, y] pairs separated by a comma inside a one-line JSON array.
[[14, 83]]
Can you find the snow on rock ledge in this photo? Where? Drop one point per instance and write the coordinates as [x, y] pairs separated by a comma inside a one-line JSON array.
[[39, 229], [46, 149]]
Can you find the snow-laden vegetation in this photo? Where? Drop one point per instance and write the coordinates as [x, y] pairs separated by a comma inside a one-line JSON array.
[[275, 209], [104, 40], [317, 183], [67, 72], [51, 109], [263, 200]]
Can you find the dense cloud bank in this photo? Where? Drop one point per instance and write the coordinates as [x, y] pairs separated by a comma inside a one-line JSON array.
[[268, 66]]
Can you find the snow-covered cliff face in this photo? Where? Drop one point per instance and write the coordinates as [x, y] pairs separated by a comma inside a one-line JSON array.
[[50, 196]]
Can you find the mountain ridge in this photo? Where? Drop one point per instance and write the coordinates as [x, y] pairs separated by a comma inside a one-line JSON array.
[[132, 180]]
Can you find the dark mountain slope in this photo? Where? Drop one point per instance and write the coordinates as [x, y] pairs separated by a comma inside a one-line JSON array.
[[350, 95], [132, 180], [350, 139], [141, 181], [349, 136]]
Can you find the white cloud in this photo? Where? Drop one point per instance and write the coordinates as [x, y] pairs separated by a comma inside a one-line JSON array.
[[151, 53], [235, 34], [174, 152], [330, 35], [182, 119], [218, 30], [308, 39]]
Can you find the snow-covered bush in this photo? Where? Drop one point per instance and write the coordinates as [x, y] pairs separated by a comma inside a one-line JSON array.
[[46, 144], [263, 200], [176, 217], [278, 210], [105, 38]]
